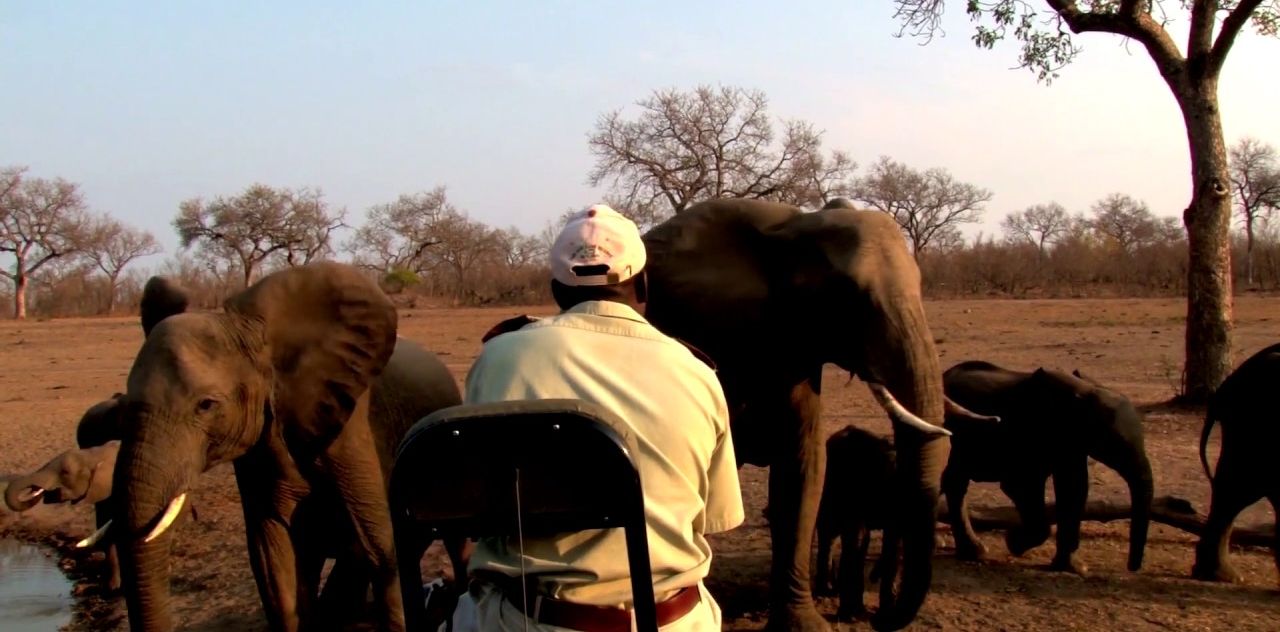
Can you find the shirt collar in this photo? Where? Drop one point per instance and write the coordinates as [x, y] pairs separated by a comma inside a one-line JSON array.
[[611, 309]]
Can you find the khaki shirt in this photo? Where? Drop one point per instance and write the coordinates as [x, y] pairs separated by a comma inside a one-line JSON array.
[[608, 354]]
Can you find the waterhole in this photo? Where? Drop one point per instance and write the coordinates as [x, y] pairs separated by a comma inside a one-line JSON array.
[[34, 594]]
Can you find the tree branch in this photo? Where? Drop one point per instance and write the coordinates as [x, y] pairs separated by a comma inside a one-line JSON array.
[[1130, 22], [1231, 26]]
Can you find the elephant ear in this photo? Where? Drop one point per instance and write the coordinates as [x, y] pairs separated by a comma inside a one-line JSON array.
[[162, 297], [101, 423], [329, 331]]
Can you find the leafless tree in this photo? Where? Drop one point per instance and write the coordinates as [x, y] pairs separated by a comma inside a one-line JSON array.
[[1192, 74], [111, 246], [259, 223], [463, 243], [1124, 222], [309, 227], [41, 221], [708, 143], [396, 236], [1255, 178], [926, 204], [1040, 225]]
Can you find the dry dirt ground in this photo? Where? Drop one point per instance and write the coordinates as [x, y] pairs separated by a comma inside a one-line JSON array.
[[51, 371]]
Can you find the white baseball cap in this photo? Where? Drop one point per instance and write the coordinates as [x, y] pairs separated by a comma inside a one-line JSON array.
[[598, 246]]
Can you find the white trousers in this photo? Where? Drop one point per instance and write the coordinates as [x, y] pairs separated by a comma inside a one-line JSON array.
[[485, 609]]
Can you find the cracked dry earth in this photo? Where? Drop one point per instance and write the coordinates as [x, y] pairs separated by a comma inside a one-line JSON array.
[[53, 370]]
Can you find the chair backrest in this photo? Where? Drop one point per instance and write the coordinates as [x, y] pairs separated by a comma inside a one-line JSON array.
[[534, 467]]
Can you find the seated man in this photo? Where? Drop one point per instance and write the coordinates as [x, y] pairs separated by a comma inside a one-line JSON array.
[[600, 349]]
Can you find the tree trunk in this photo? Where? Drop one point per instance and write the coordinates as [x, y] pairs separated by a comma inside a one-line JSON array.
[[1169, 510], [1248, 250], [112, 281], [1208, 222], [20, 294]]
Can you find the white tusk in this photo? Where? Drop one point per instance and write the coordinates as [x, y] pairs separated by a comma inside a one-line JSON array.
[[170, 514], [31, 494], [899, 412], [94, 537]]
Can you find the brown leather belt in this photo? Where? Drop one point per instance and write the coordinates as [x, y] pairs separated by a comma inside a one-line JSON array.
[[588, 618]]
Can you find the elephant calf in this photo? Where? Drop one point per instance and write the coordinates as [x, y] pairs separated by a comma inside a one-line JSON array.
[[1245, 405], [1051, 423], [856, 498], [75, 476]]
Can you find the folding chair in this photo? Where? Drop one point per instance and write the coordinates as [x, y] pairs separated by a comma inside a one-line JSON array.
[[528, 468]]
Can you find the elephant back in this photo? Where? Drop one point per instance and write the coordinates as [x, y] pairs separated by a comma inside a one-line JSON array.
[[414, 384], [709, 271]]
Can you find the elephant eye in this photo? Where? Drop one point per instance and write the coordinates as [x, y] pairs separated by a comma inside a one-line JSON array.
[[206, 405]]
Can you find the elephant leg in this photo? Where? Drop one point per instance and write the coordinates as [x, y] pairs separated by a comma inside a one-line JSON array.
[[956, 486], [357, 477], [1071, 490], [827, 534], [795, 489], [1027, 494], [103, 513], [343, 596], [1232, 491], [267, 510], [855, 539]]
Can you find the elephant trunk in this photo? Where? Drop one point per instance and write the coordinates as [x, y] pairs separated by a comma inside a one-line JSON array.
[[27, 492], [150, 474], [1141, 490], [908, 365]]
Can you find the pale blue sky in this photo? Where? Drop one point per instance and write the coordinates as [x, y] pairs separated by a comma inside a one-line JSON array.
[[147, 104]]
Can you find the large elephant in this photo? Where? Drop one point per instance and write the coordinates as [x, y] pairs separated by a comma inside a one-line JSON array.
[[1245, 405], [1051, 423], [772, 294], [278, 383]]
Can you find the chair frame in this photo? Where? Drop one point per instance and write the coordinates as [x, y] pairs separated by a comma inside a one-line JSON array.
[[514, 473]]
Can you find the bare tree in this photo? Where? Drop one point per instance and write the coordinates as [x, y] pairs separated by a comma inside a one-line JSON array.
[[1040, 225], [1125, 223], [463, 243], [111, 246], [260, 223], [1255, 177], [709, 143], [1192, 76], [396, 236], [40, 222], [309, 227], [926, 204]]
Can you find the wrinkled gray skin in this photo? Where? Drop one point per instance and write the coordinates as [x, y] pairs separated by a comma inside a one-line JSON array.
[[1245, 405], [75, 476], [278, 383], [772, 294], [855, 500], [1052, 422]]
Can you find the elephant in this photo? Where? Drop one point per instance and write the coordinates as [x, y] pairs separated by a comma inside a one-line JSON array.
[[1051, 423], [75, 476], [771, 293], [855, 500], [1246, 471], [303, 385]]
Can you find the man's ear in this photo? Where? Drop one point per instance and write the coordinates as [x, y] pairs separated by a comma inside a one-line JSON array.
[[642, 287]]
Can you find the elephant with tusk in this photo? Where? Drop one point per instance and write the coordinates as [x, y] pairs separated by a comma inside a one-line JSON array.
[[302, 384], [772, 294]]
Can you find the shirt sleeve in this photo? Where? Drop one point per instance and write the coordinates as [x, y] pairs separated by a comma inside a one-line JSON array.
[[724, 495]]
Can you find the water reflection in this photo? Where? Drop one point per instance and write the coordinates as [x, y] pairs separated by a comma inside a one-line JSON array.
[[34, 594]]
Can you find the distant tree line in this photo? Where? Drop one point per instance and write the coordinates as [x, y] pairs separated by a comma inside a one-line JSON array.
[[61, 259]]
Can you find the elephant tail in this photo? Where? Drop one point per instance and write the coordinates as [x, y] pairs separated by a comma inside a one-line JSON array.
[[1210, 418]]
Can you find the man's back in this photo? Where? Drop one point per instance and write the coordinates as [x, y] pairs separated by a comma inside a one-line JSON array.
[[606, 353]]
